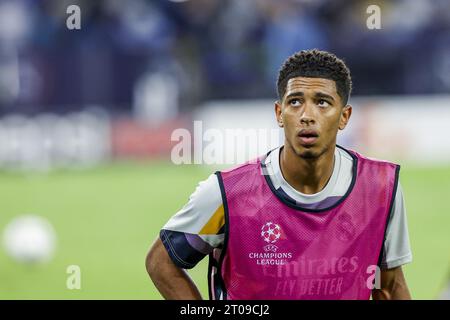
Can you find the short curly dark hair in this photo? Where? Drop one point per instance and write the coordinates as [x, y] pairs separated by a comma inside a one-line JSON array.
[[316, 64]]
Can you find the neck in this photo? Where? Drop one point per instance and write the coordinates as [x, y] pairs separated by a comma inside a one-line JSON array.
[[307, 176]]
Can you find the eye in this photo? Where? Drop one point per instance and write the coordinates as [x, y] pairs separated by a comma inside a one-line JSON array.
[[323, 103], [295, 103]]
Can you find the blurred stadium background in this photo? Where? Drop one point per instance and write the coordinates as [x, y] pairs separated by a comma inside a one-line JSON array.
[[86, 119]]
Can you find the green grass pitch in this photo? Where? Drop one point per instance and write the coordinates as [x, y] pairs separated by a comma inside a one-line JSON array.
[[106, 218]]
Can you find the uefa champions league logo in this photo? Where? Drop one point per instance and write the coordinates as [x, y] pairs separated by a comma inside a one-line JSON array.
[[270, 232]]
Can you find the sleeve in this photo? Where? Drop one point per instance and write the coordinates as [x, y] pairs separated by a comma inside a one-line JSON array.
[[195, 230], [397, 250]]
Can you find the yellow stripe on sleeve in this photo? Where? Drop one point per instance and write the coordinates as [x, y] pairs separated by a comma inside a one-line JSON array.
[[215, 223]]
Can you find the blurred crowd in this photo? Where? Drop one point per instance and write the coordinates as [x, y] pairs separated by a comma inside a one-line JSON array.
[[132, 53]]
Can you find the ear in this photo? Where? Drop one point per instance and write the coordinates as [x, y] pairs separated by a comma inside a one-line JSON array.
[[345, 116], [279, 113]]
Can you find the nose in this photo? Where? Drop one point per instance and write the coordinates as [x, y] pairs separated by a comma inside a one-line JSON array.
[[307, 115]]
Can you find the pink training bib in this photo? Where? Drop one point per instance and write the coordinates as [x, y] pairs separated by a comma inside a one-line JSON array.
[[277, 250]]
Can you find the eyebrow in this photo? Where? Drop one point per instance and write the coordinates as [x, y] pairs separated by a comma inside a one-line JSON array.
[[317, 95], [323, 95], [294, 94]]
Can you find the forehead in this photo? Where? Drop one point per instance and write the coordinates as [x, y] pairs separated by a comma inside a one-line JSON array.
[[303, 84]]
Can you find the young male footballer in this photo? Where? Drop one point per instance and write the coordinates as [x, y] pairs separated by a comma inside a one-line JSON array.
[[308, 220]]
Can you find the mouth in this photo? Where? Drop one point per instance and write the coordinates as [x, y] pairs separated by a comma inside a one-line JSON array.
[[308, 137]]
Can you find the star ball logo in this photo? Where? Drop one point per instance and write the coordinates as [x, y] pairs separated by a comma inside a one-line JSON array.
[[270, 232]]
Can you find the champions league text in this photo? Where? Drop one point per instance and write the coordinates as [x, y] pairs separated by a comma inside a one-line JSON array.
[[270, 258]]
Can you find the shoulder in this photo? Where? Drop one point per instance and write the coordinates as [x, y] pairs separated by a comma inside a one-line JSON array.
[[246, 167], [374, 166], [203, 206], [207, 196], [372, 160]]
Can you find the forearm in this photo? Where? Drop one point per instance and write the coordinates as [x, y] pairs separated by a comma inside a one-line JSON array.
[[172, 282], [176, 285]]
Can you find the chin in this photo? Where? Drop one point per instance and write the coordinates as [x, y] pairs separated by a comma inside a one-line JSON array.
[[308, 154]]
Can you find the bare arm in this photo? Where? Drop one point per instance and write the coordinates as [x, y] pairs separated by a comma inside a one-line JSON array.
[[171, 281], [393, 286]]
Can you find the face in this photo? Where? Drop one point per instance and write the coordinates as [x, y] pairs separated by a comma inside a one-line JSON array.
[[311, 113]]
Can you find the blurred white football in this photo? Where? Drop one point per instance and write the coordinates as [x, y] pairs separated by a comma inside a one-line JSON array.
[[29, 239]]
